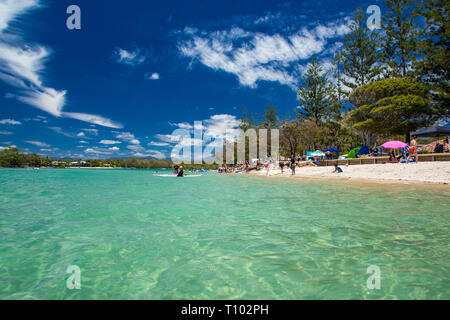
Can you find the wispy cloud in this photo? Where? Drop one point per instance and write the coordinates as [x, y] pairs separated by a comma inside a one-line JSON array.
[[6, 133], [158, 144], [255, 56], [131, 58], [98, 151], [10, 122], [22, 63], [127, 137], [91, 131], [109, 142], [38, 144]]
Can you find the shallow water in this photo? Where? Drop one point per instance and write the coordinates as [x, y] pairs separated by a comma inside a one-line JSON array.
[[138, 236]]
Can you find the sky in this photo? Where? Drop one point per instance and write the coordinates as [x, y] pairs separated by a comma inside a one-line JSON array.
[[138, 70]]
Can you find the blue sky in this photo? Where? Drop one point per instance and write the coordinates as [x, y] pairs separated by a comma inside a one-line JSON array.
[[137, 70]]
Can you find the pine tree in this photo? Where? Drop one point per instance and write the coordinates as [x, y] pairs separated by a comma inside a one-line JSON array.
[[270, 117], [359, 53], [316, 94], [400, 38], [434, 67], [392, 106]]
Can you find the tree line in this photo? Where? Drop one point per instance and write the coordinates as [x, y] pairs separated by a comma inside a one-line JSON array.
[[12, 158]]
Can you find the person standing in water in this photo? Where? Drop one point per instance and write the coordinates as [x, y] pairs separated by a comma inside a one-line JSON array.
[[180, 172], [293, 164]]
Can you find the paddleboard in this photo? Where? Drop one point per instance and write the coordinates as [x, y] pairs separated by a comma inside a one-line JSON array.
[[174, 176]]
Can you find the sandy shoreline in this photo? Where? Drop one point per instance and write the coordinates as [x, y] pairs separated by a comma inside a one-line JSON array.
[[421, 173]]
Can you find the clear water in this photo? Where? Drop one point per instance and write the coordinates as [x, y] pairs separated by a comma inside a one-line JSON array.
[[137, 236]]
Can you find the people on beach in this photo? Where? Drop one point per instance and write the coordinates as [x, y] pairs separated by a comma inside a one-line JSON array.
[[413, 150], [292, 165], [293, 168], [281, 164], [180, 172], [401, 157], [337, 169], [392, 158]]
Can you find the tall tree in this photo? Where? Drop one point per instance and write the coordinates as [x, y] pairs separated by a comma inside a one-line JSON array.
[[289, 137], [270, 116], [316, 94], [400, 38], [359, 53], [434, 67], [393, 106]]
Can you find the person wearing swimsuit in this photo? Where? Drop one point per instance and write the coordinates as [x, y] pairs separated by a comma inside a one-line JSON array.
[[413, 150]]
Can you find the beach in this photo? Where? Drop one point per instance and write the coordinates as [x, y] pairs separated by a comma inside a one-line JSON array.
[[422, 172]]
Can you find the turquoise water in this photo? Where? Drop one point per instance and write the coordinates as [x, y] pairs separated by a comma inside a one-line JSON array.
[[138, 236]]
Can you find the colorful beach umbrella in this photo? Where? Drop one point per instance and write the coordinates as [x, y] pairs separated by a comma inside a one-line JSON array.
[[394, 145]]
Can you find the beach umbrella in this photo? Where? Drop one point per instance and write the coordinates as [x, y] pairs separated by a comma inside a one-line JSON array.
[[394, 145], [433, 131], [332, 150]]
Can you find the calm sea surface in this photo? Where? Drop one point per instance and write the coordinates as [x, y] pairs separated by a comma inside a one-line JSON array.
[[135, 235]]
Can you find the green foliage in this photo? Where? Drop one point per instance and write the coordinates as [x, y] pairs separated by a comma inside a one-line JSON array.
[[270, 117], [316, 95], [434, 66], [360, 55], [12, 158], [394, 106], [401, 37]]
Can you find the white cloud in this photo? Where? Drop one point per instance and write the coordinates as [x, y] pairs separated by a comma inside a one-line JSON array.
[[168, 137], [38, 144], [261, 56], [97, 151], [181, 125], [131, 58], [81, 134], [135, 147], [10, 121], [157, 144], [91, 131], [21, 65], [114, 148], [101, 121], [109, 142], [6, 133], [153, 76], [128, 137], [10, 9]]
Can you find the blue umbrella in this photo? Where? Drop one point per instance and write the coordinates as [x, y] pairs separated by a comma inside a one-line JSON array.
[[333, 150]]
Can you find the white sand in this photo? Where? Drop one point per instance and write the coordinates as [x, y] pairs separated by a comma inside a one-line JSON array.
[[423, 172]]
